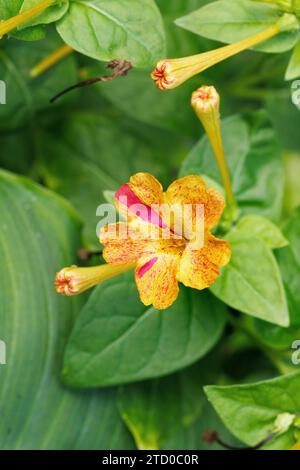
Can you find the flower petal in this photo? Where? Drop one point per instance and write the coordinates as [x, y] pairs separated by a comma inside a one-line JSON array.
[[200, 268], [213, 208], [147, 188], [187, 190], [128, 242], [125, 243], [185, 201], [141, 198], [156, 281]]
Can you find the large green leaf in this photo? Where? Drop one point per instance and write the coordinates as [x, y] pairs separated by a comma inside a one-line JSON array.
[[254, 161], [289, 262], [90, 154], [249, 411], [118, 340], [231, 20], [118, 29], [252, 282], [40, 234], [27, 96]]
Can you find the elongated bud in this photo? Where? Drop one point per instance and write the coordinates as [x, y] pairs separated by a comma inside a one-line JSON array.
[[12, 23], [206, 103], [170, 73], [72, 281], [51, 60]]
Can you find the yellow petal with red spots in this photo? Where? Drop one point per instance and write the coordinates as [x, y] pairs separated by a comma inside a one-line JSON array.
[[128, 242], [141, 198], [201, 207], [125, 243], [214, 208], [147, 188], [200, 268], [156, 281]]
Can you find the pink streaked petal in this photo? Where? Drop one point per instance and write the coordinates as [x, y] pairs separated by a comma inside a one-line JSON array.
[[145, 268], [126, 196]]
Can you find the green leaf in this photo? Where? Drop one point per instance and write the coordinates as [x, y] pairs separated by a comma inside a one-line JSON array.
[[39, 234], [51, 14], [90, 154], [111, 30], [154, 414], [273, 336], [289, 263], [118, 340], [255, 226], [27, 96], [254, 161], [250, 411], [293, 70], [232, 20], [251, 282], [140, 99]]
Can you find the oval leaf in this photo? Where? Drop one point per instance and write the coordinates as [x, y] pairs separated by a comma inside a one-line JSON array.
[[118, 29], [232, 20], [117, 339]]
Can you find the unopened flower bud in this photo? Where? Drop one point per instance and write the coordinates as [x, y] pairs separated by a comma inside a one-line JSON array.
[[73, 280]]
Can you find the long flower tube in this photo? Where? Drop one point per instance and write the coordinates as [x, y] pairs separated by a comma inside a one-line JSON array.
[[206, 103], [51, 60], [12, 23], [170, 73]]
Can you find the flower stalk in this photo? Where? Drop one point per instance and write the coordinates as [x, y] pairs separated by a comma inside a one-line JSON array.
[[13, 23], [170, 73], [206, 103], [51, 60], [73, 280]]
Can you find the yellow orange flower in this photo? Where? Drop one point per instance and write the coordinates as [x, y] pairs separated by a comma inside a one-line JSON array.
[[170, 73], [152, 238]]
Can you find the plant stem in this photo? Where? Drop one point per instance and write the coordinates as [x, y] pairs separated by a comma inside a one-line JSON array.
[[51, 60], [12, 23]]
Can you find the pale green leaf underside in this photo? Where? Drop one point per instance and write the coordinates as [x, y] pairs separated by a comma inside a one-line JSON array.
[[50, 15], [117, 29]]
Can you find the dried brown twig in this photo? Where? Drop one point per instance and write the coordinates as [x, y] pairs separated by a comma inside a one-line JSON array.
[[120, 68]]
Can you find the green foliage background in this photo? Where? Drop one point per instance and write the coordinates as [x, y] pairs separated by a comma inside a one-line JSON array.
[[102, 371]]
